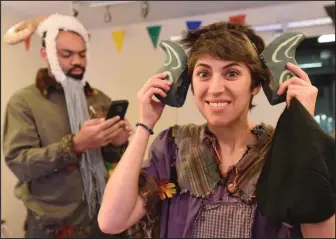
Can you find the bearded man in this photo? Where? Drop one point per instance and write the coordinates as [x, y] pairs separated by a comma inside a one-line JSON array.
[[56, 140]]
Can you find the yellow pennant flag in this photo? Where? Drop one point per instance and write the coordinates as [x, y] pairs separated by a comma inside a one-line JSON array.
[[118, 38]]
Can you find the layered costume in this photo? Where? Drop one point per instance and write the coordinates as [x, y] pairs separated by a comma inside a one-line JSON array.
[[284, 179], [188, 197], [61, 190]]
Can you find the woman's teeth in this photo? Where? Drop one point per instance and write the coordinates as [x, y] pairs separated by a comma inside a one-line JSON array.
[[219, 104]]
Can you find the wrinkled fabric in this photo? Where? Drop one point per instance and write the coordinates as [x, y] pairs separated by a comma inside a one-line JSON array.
[[297, 183], [178, 215]]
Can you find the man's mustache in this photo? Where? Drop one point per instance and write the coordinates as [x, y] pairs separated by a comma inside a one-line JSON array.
[[76, 68]]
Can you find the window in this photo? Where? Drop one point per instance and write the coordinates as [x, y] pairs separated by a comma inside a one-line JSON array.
[[318, 61]]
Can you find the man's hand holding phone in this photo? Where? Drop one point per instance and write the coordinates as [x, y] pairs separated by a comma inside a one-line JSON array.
[[96, 133], [99, 132]]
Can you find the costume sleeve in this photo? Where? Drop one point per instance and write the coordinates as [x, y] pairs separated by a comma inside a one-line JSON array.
[[21, 145], [156, 170], [154, 176]]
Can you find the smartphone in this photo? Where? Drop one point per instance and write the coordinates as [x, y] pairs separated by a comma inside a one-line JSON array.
[[118, 107]]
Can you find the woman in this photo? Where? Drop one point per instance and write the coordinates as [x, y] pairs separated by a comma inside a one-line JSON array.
[[214, 166]]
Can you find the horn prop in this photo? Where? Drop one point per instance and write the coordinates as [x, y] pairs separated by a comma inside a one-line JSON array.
[[275, 57], [176, 65], [22, 30]]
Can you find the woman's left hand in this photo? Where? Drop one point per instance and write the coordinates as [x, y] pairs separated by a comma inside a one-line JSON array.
[[299, 87]]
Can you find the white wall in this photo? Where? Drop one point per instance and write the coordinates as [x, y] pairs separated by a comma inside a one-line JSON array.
[[121, 75], [18, 69]]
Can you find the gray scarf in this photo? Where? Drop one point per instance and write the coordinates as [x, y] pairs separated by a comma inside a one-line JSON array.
[[92, 166]]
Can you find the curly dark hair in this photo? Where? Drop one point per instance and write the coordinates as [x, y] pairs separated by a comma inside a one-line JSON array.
[[228, 41]]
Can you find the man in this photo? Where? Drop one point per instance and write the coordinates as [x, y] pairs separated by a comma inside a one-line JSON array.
[[50, 143]]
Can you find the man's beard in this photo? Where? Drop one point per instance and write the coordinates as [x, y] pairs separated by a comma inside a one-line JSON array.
[[92, 167], [76, 76]]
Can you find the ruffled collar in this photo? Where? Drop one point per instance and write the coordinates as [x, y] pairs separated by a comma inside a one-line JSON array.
[[199, 171]]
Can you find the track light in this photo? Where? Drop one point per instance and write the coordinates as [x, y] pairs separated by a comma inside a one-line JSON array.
[[73, 10], [144, 9], [107, 16], [326, 38]]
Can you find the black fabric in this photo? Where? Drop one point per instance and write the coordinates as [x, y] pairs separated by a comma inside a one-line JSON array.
[[113, 154], [297, 182], [97, 233]]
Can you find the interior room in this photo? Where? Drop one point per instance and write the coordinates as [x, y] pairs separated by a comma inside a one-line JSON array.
[[125, 53]]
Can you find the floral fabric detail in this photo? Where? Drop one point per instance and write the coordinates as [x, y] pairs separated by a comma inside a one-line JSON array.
[[70, 231], [165, 189], [66, 147]]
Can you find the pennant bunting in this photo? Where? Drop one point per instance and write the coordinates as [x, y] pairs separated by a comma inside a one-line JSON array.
[[154, 33], [118, 38], [193, 25], [27, 43], [238, 19]]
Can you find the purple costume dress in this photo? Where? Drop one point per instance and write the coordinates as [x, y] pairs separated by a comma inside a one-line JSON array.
[[207, 203]]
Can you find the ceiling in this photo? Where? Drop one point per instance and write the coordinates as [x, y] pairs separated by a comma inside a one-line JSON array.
[[128, 12]]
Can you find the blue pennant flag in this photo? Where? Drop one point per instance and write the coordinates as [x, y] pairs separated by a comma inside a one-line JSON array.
[[193, 25]]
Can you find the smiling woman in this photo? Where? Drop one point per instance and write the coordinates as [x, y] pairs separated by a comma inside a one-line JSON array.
[[200, 180], [237, 50]]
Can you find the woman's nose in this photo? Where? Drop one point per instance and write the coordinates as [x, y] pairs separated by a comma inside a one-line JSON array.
[[217, 85]]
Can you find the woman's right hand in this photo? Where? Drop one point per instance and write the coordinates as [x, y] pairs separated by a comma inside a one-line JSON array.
[[151, 110]]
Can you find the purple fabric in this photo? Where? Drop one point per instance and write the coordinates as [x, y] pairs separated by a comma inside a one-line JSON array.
[[177, 220]]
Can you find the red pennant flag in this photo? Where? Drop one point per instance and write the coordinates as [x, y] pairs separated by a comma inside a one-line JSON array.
[[238, 19], [27, 43]]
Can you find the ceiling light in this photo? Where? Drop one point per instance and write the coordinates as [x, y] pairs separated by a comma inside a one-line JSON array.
[[310, 23], [326, 38], [325, 55], [266, 28], [317, 118], [107, 16], [311, 65]]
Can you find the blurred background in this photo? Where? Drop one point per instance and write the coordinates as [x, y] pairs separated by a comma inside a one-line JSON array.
[[317, 56], [124, 53]]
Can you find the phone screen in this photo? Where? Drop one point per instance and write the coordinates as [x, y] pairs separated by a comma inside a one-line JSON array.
[[118, 107]]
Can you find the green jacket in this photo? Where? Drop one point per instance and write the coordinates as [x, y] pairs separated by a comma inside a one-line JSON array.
[[37, 149]]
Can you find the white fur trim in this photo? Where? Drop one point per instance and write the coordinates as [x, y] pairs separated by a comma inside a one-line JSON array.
[[51, 26]]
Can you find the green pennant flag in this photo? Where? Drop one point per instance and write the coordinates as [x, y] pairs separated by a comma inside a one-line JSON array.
[[154, 32]]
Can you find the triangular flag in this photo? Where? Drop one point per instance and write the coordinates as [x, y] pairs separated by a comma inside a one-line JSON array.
[[154, 32], [27, 43], [238, 19], [118, 38], [193, 25]]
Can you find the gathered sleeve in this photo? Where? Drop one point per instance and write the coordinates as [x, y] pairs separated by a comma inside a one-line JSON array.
[[154, 184]]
